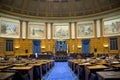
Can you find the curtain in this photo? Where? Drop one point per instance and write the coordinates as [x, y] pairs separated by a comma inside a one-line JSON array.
[[85, 46], [57, 46], [36, 46], [64, 45], [61, 44]]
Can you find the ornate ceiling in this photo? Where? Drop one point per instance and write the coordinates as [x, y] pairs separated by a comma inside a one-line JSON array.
[[58, 8]]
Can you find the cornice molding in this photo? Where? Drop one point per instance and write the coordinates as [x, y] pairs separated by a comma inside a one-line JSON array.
[[105, 14]]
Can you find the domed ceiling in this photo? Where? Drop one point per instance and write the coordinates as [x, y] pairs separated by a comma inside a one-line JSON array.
[[58, 8]]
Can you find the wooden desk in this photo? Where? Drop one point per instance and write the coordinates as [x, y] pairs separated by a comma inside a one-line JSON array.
[[25, 70], [22, 64], [108, 75], [51, 63], [38, 67], [116, 65], [101, 62], [96, 67], [93, 69], [75, 63], [44, 65], [71, 64], [81, 67], [6, 76], [3, 67], [5, 64]]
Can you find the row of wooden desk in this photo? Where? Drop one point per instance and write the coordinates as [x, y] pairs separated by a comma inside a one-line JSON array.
[[86, 70], [6, 75], [31, 69]]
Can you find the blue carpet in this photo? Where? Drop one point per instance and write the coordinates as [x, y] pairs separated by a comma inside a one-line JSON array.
[[60, 71]]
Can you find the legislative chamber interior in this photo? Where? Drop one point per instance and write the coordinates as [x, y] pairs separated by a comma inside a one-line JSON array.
[[59, 39]]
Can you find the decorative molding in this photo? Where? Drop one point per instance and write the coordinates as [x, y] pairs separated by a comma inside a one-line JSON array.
[[95, 28], [51, 25], [72, 31], [21, 22], [26, 29], [101, 27], [75, 25], [23, 29], [49, 31], [98, 28], [70, 19], [46, 25], [60, 18]]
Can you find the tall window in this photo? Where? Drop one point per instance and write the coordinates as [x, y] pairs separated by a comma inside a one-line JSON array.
[[9, 45], [113, 43]]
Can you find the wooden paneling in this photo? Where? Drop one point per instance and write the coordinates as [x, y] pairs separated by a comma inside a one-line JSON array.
[[2, 46], [49, 45]]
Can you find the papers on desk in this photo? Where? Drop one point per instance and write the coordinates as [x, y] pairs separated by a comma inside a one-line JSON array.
[[110, 74], [87, 63], [115, 62]]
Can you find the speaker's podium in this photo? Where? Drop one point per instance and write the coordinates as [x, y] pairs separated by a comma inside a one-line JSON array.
[[61, 56]]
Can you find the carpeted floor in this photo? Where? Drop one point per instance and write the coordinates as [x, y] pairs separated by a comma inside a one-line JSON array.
[[60, 71]]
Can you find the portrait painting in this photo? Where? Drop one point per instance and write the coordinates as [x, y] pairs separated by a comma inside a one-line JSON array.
[[112, 27], [37, 31], [85, 30], [9, 29], [60, 31]]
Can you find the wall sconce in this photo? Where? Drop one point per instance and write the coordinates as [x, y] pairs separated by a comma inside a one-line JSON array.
[[17, 47], [105, 45], [42, 47], [79, 47]]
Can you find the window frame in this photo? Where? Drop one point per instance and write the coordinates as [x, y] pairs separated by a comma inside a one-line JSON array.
[[6, 46], [117, 44]]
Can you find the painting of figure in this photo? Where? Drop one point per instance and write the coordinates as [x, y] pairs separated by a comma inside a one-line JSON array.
[[9, 29], [112, 27], [61, 31], [37, 31], [85, 30]]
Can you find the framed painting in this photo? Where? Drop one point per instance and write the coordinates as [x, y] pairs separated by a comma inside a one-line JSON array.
[[61, 32], [37, 31], [10, 28], [85, 30], [111, 27]]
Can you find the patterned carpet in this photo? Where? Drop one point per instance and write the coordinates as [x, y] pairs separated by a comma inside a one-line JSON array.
[[60, 71]]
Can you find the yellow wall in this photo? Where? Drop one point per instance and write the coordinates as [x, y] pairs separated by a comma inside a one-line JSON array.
[[49, 45]]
